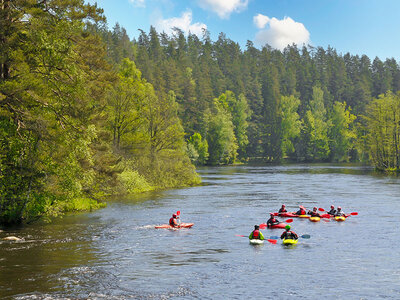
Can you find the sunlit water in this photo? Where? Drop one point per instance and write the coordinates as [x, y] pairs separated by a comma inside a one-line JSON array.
[[116, 253]]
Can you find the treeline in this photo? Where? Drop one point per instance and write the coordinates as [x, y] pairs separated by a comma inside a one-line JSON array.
[[73, 126], [309, 104]]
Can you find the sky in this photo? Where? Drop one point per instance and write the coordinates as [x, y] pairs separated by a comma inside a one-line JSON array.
[[370, 27]]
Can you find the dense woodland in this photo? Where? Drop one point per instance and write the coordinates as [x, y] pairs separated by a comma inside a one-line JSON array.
[[87, 112]]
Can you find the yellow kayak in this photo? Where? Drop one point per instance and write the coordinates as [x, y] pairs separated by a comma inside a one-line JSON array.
[[304, 216], [340, 219], [315, 219], [289, 242]]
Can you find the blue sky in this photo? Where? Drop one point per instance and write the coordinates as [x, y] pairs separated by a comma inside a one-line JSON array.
[[370, 27]]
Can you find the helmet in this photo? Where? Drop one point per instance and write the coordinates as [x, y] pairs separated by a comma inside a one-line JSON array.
[[287, 227], [283, 205], [314, 208], [174, 215], [256, 226], [332, 206], [271, 214], [339, 207]]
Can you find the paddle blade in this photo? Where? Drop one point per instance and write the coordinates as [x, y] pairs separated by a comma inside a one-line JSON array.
[[178, 212], [274, 237], [263, 226], [241, 235], [306, 236], [272, 241], [354, 213], [289, 221], [321, 209]]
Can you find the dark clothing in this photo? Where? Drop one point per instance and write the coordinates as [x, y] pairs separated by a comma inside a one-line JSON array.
[[272, 221], [339, 214], [314, 214], [301, 212], [332, 212], [289, 235], [282, 210], [173, 222]]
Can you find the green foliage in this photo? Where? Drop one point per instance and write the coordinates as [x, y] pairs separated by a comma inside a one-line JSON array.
[[198, 149], [341, 133], [382, 131], [290, 123]]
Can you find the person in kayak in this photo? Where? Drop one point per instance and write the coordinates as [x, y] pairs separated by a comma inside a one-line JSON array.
[[339, 212], [173, 221], [332, 212], [272, 221], [282, 209], [288, 234], [256, 234], [314, 213], [301, 211]]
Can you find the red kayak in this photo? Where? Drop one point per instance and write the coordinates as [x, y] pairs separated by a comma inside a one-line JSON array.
[[287, 215], [167, 226], [280, 225]]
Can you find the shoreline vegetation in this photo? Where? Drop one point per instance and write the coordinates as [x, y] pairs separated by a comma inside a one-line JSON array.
[[87, 113]]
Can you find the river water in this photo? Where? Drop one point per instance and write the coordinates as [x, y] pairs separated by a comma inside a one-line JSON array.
[[115, 253]]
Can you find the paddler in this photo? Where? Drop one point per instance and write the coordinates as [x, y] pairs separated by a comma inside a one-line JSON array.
[[314, 213], [339, 212], [272, 221], [332, 212], [288, 234], [282, 209], [256, 234], [173, 221], [301, 211]]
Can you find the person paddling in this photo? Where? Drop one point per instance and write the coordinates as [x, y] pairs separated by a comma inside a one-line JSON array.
[[301, 211], [272, 221], [173, 221], [314, 213], [339, 212], [282, 209], [332, 212], [256, 234], [288, 234]]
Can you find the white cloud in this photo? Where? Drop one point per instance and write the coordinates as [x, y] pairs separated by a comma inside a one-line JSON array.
[[184, 23], [223, 8], [281, 33], [138, 3], [260, 21]]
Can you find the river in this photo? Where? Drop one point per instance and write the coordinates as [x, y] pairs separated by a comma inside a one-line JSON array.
[[115, 252]]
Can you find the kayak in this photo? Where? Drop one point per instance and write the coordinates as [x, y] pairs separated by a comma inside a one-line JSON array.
[[304, 216], [287, 215], [314, 219], [256, 242], [340, 219], [167, 226], [279, 226], [289, 242]]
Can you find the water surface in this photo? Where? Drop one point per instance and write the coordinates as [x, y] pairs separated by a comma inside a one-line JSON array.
[[116, 253]]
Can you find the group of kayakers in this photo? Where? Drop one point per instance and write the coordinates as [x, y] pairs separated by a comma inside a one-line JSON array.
[[288, 234]]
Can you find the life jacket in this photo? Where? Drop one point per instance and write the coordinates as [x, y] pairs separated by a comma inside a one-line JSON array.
[[256, 234], [301, 212], [289, 235], [282, 210], [339, 214], [272, 221], [172, 222], [314, 214], [332, 211]]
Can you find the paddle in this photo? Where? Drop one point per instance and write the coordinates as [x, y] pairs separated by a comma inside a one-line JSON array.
[[304, 236], [272, 241], [179, 221]]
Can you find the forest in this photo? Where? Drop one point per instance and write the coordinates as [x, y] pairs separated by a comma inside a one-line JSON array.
[[87, 112]]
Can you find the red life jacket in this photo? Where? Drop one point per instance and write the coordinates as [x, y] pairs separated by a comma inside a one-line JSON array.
[[172, 222], [256, 234]]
